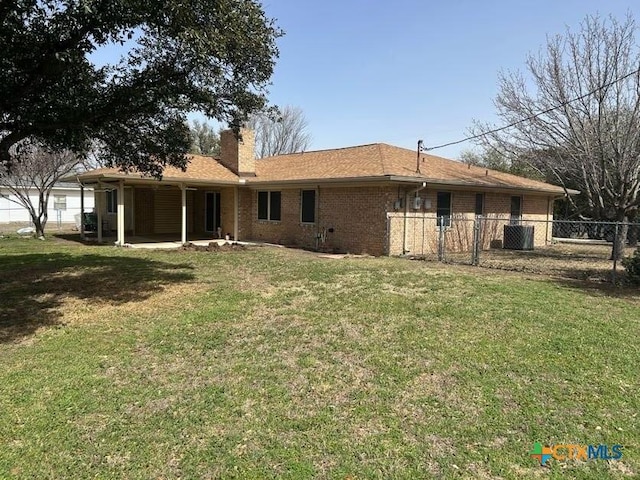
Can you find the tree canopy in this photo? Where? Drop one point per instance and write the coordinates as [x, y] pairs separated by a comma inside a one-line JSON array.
[[576, 115], [495, 160], [33, 177], [213, 56], [205, 140], [279, 132]]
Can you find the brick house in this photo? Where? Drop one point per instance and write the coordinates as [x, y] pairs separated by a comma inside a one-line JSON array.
[[361, 199]]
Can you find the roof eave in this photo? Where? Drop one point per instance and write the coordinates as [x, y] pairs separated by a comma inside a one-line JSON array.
[[454, 183], [106, 177]]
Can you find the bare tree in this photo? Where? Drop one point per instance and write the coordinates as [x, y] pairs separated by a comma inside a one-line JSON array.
[[204, 139], [284, 133], [37, 170], [495, 160], [587, 86]]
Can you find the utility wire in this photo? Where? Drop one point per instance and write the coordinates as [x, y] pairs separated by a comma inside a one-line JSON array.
[[535, 115]]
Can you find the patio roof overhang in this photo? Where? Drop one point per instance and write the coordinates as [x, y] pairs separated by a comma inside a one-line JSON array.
[[128, 179]]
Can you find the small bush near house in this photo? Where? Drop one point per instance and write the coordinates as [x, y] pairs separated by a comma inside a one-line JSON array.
[[632, 265]]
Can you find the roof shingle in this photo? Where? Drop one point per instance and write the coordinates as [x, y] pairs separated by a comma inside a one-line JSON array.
[[377, 160], [386, 160], [199, 168]]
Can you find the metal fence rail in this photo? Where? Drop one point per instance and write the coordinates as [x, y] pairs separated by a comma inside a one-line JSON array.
[[570, 249]]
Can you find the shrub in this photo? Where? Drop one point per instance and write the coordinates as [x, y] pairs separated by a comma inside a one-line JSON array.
[[632, 265]]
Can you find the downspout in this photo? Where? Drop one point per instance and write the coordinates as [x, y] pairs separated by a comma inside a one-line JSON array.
[[82, 236], [120, 215], [236, 214], [317, 213], [546, 234]]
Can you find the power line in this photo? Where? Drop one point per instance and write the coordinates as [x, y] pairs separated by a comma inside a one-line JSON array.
[[535, 115]]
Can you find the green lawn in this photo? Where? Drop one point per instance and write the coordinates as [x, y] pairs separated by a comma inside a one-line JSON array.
[[274, 363]]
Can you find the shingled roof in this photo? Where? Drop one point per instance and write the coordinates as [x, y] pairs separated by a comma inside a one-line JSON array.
[[394, 163], [373, 162], [200, 169]]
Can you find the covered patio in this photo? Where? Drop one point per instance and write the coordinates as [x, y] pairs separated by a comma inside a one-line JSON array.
[[200, 203]]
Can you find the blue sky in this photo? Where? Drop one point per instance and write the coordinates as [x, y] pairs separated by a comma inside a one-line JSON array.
[[366, 71], [396, 72]]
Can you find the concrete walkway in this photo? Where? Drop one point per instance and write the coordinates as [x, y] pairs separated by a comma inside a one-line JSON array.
[[178, 244], [162, 241]]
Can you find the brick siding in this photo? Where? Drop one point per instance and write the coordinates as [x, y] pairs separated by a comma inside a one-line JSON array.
[[348, 219], [418, 233]]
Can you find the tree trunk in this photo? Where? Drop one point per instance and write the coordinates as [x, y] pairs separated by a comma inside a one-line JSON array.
[[620, 239], [43, 216], [39, 226]]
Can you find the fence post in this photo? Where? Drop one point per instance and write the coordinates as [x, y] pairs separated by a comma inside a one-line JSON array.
[[615, 253], [475, 252], [441, 240]]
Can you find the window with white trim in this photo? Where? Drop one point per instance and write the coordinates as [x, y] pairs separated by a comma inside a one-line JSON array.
[[59, 202]]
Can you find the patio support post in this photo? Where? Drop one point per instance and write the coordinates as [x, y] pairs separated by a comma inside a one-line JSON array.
[[121, 213], [82, 211], [236, 214], [97, 198], [184, 214]]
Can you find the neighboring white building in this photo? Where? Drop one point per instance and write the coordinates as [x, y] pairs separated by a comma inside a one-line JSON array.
[[64, 204]]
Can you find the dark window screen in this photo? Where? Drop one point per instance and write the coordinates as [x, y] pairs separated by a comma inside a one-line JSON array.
[[274, 213], [443, 209], [308, 206], [263, 206], [479, 203], [516, 209]]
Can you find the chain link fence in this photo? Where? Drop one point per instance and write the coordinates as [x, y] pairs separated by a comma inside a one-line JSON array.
[[570, 249]]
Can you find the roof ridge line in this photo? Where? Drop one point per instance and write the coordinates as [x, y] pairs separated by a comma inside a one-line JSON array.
[[320, 150]]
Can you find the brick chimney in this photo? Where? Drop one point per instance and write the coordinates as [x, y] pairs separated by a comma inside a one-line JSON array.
[[237, 154]]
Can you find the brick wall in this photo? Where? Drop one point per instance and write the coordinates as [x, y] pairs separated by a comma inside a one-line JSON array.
[[536, 211], [227, 210], [364, 220], [246, 213], [356, 216], [238, 154], [418, 233]]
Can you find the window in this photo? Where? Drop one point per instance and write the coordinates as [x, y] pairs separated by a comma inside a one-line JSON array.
[[212, 218], [112, 201], [59, 202], [516, 210], [269, 205], [443, 209], [479, 204], [263, 205], [308, 206]]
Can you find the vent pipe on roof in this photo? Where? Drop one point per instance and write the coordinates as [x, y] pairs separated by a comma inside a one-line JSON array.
[[418, 156]]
